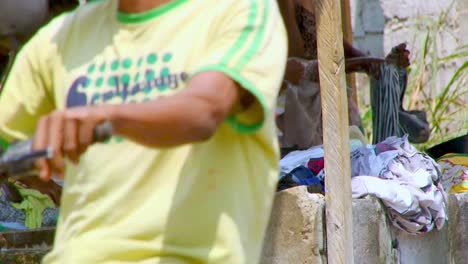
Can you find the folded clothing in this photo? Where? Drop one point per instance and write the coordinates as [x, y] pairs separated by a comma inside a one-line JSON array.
[[454, 172], [299, 158], [407, 181], [7, 226], [301, 176]]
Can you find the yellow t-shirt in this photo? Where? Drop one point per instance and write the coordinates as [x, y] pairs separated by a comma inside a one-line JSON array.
[[125, 203]]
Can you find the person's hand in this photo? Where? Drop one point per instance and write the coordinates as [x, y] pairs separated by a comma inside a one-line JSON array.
[[399, 56], [298, 70], [68, 133], [294, 71]]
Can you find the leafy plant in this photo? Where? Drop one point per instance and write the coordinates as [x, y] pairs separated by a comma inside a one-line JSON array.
[[447, 108]]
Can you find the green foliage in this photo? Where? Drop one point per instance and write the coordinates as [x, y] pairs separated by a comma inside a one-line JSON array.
[[446, 107]]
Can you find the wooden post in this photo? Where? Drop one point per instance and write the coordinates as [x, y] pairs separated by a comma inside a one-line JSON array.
[[346, 18], [335, 132], [348, 35]]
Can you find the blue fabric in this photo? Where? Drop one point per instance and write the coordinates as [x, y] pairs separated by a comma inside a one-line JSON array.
[[13, 226], [303, 176]]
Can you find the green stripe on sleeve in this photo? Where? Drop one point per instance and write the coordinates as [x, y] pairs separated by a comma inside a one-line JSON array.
[[242, 39], [234, 72], [231, 120], [257, 40]]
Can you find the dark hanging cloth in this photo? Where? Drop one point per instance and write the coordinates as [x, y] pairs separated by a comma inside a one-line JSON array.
[[388, 115]]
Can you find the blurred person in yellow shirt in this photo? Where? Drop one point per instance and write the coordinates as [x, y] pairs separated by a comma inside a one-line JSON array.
[[190, 90]]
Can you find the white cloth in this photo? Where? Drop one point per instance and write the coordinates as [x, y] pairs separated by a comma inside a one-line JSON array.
[[364, 161], [407, 181], [452, 174], [299, 158], [408, 184], [392, 193]]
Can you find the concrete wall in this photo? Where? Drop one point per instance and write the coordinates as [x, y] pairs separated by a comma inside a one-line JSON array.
[[296, 233], [378, 25], [296, 229]]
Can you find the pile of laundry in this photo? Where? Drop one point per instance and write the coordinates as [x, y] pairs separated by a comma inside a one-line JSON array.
[[407, 181], [454, 169]]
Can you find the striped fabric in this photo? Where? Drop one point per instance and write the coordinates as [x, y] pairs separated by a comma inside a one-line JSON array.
[[386, 95]]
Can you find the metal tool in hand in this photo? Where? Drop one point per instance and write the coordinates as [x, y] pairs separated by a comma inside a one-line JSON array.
[[19, 160]]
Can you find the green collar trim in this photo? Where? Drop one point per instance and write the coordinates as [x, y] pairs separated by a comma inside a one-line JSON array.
[[148, 15]]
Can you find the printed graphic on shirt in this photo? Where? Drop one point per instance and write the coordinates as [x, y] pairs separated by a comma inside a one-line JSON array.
[[125, 81]]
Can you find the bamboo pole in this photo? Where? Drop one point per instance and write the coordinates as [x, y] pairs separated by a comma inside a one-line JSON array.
[[335, 132]]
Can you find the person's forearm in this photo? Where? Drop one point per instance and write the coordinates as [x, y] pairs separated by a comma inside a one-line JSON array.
[[299, 70], [190, 116], [350, 51], [295, 41], [362, 64], [166, 122]]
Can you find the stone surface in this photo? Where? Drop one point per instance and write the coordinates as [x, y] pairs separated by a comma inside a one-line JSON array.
[[296, 231], [22, 256], [458, 228], [25, 247], [374, 22], [407, 9], [371, 234], [368, 26], [462, 7], [430, 248], [26, 239]]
